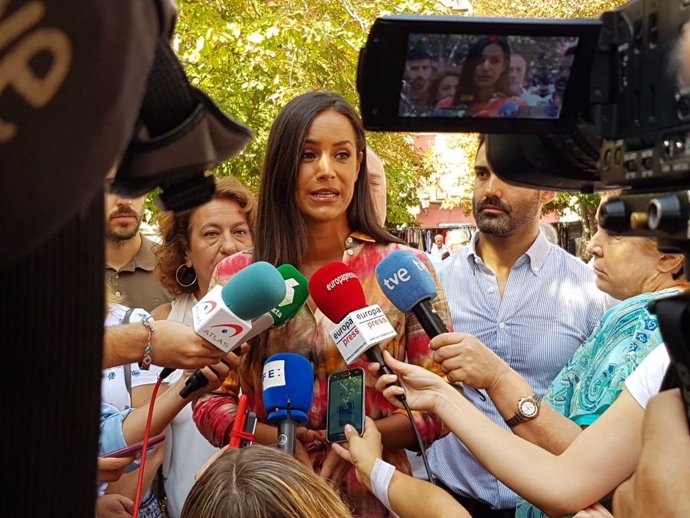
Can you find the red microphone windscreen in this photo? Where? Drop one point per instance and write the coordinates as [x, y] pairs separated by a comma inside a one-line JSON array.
[[336, 291]]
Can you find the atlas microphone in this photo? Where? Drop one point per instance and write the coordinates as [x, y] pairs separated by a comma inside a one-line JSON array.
[[288, 389], [296, 294], [223, 317], [360, 329]]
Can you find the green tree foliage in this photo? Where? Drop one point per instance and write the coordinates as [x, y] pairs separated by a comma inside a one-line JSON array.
[[252, 56]]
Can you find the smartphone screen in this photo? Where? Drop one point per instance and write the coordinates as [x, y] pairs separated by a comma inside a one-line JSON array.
[[135, 448], [345, 403]]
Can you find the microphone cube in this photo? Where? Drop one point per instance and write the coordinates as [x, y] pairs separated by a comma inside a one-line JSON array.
[[214, 322], [360, 330]]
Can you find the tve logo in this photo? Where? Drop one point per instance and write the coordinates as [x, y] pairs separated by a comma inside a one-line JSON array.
[[403, 275]]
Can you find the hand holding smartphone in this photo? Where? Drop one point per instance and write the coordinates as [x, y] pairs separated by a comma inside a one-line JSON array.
[[135, 449], [345, 404]]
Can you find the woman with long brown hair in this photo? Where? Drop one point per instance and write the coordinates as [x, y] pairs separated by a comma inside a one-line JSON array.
[[315, 208]]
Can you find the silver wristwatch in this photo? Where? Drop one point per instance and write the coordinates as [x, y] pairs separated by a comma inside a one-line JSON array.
[[527, 408]]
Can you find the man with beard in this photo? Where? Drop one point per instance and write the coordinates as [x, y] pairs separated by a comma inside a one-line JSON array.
[[418, 72], [129, 256], [524, 298]]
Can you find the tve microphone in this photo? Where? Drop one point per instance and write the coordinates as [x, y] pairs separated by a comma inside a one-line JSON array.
[[337, 292], [407, 283], [223, 316], [288, 389], [296, 294]]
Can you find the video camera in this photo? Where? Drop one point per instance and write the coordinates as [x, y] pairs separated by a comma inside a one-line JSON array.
[[593, 104], [600, 106]]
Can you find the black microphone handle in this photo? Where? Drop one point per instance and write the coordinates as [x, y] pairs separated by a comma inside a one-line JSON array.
[[286, 436], [434, 326], [374, 354], [194, 383], [429, 319]]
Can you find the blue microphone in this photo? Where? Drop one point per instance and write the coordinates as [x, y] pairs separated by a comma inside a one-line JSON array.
[[408, 284], [288, 388]]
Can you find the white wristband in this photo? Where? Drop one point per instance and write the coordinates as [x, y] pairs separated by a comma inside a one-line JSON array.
[[381, 477]]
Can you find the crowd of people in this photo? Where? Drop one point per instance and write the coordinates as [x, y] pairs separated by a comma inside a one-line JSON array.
[[488, 77], [554, 343], [566, 358]]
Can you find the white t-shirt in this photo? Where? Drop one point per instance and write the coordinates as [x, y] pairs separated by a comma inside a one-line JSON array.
[[645, 381], [438, 252], [113, 385]]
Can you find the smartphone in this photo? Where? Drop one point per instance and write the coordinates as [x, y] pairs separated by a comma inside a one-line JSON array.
[[135, 449], [345, 404]]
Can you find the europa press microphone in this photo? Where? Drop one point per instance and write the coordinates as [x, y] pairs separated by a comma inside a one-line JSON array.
[[288, 389], [337, 292], [223, 317], [360, 329], [296, 294], [407, 283]]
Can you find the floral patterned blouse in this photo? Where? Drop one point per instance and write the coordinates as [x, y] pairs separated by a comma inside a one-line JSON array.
[[308, 334]]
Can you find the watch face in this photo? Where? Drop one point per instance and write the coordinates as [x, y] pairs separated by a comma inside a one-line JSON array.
[[528, 408]]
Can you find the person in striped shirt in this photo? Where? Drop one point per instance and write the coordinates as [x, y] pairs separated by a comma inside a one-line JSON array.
[[527, 300]]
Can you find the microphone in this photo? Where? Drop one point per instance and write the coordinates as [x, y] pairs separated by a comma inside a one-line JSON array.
[[288, 387], [337, 292], [407, 283], [223, 317], [296, 294]]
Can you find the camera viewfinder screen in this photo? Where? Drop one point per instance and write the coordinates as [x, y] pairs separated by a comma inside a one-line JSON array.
[[469, 75]]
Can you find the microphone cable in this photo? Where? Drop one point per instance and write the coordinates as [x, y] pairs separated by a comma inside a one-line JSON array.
[[422, 451], [147, 433]]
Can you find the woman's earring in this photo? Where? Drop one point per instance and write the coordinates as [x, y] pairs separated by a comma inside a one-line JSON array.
[[186, 277]]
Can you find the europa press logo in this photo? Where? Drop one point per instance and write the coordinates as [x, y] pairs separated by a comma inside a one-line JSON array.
[[225, 329]]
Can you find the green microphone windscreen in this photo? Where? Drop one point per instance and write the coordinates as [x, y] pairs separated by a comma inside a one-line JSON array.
[[297, 291]]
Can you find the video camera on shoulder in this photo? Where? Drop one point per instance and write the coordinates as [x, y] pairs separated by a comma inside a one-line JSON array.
[[569, 105]]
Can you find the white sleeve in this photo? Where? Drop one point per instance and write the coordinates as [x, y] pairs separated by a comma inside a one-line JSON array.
[[645, 381]]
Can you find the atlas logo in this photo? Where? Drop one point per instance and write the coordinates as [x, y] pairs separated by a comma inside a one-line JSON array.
[[227, 328]]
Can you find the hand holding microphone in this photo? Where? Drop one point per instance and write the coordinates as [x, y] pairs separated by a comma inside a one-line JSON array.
[[224, 315], [337, 292], [407, 283]]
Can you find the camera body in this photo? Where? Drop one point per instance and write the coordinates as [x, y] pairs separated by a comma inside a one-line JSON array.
[[615, 115]]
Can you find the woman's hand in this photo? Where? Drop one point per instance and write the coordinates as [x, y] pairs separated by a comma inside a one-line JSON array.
[[361, 451], [464, 358], [421, 387], [334, 467], [114, 506], [215, 374], [310, 449]]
